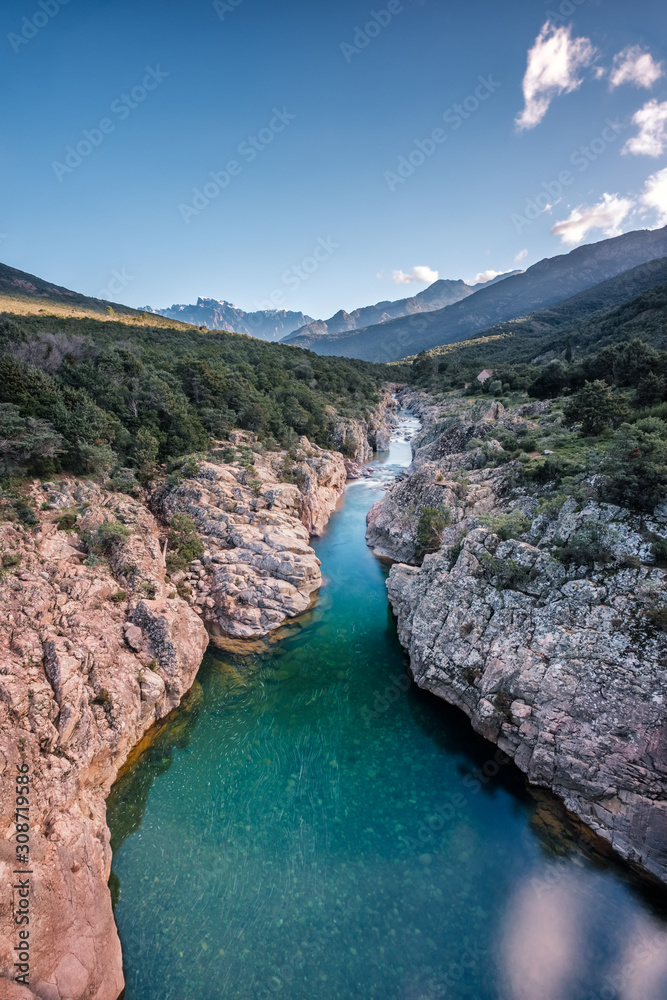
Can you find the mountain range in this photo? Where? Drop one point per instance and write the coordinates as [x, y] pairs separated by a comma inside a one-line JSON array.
[[216, 314], [281, 324], [441, 293], [544, 284]]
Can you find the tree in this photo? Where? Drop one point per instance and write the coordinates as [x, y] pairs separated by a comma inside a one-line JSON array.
[[651, 389], [146, 449], [595, 408], [432, 522], [422, 366], [636, 467], [184, 543], [24, 441]]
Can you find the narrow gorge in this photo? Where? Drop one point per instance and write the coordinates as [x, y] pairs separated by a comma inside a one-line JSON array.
[[538, 617], [103, 636]]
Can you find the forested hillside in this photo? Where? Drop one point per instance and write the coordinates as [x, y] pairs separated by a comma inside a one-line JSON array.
[[87, 388], [607, 433]]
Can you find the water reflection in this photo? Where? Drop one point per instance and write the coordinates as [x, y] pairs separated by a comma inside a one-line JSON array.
[[569, 934]]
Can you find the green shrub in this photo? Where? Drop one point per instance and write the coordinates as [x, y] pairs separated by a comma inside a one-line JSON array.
[[229, 455], [67, 521], [349, 446], [184, 543], [473, 444], [145, 453], [190, 467], [256, 486], [431, 524], [107, 536], [26, 515], [10, 559], [119, 597], [455, 550], [659, 550], [586, 547], [658, 617], [595, 408], [635, 470], [125, 481], [507, 573], [511, 525]]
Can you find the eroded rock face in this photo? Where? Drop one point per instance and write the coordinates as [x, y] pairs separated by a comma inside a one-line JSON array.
[[258, 567], [88, 661], [561, 664], [92, 653]]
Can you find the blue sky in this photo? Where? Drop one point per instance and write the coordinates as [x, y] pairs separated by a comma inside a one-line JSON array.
[[332, 125]]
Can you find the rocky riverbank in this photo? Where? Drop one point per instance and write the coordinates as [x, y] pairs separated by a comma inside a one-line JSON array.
[[86, 668], [542, 619], [99, 639]]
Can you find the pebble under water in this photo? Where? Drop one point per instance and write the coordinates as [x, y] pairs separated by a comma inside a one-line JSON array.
[[310, 826]]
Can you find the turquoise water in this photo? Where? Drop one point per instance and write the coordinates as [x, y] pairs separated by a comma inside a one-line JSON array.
[[309, 826]]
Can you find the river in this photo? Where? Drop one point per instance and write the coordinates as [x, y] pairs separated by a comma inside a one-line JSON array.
[[310, 826]]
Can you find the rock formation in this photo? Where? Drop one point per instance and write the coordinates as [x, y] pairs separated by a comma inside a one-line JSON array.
[[560, 661], [98, 640], [85, 669], [257, 568]]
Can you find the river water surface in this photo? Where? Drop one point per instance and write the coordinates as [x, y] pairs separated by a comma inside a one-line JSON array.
[[309, 827]]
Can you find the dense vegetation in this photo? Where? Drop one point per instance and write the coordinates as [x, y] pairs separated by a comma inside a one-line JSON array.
[[606, 432], [88, 394]]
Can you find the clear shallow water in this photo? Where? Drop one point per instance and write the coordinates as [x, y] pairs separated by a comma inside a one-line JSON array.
[[307, 827]]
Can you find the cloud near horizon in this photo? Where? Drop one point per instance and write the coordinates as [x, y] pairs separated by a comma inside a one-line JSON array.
[[654, 196], [521, 255], [484, 276], [651, 139], [607, 215], [554, 65], [635, 65], [419, 274]]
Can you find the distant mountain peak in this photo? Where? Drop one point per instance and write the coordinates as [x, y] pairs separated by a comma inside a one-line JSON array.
[[217, 314]]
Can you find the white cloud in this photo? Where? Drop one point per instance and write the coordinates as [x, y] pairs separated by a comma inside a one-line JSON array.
[[635, 65], [521, 255], [607, 215], [553, 68], [419, 274], [651, 139], [655, 195], [483, 276]]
